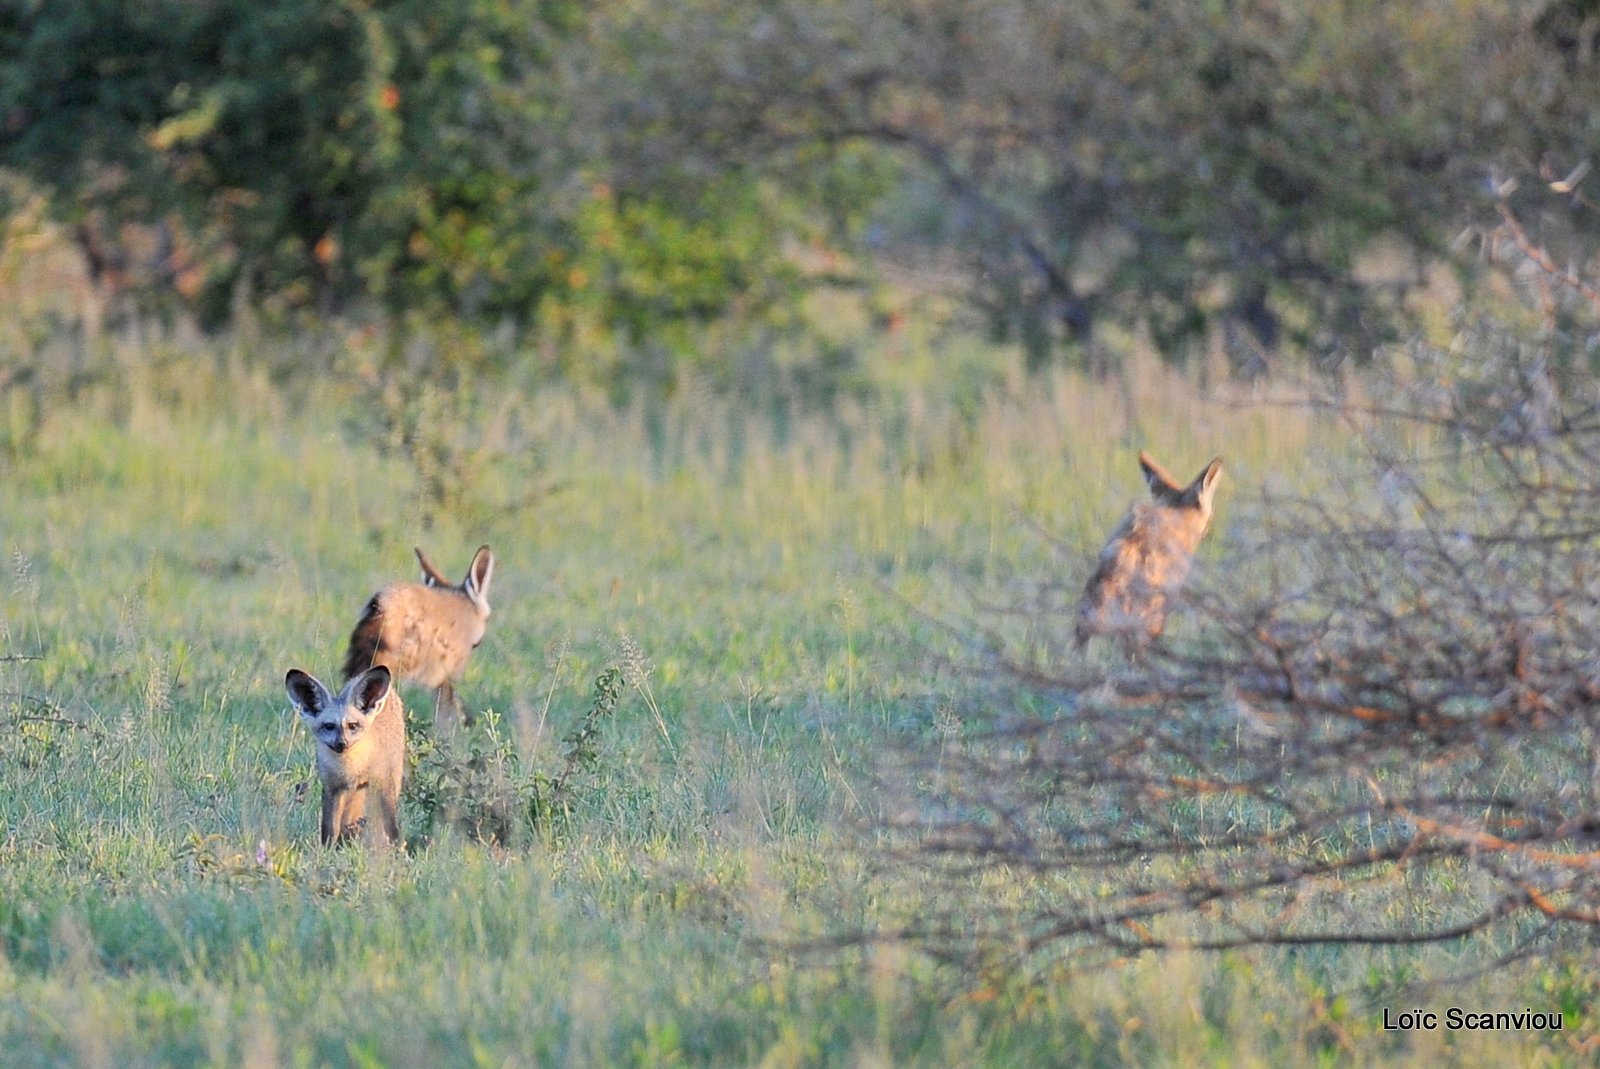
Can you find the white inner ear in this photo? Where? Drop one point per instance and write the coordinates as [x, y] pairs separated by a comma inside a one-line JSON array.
[[1208, 486], [309, 710], [430, 574], [477, 584], [369, 695], [310, 696]]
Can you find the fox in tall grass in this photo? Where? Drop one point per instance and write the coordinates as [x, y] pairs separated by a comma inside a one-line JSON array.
[[361, 747], [1145, 563], [424, 632]]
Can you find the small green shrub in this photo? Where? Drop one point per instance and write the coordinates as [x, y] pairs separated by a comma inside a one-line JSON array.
[[475, 783]]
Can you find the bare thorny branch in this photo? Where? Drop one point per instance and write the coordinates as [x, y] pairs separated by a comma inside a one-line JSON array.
[[1379, 723]]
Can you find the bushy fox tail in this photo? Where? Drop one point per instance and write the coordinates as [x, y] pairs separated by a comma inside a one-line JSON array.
[[364, 640]]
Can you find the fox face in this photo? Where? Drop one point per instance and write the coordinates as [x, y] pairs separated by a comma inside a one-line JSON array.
[[361, 744], [339, 723]]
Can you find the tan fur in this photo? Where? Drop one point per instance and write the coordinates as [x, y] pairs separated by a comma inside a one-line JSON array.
[[361, 746], [1144, 565], [425, 632]]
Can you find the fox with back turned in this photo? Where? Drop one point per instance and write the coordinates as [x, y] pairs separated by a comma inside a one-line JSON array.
[[1144, 565], [425, 632]]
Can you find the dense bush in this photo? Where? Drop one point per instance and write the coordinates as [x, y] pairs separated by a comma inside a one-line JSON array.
[[1176, 168], [1276, 175], [319, 153]]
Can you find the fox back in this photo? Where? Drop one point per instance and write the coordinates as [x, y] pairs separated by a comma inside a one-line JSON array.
[[424, 632], [1147, 560], [361, 745]]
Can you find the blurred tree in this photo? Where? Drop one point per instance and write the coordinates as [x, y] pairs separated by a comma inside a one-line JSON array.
[[1276, 173], [1386, 693], [1180, 168], [242, 122], [324, 151]]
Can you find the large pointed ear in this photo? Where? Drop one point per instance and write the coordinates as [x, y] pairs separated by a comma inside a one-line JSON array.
[[478, 576], [1163, 487], [1205, 484], [430, 574], [368, 690], [309, 696]]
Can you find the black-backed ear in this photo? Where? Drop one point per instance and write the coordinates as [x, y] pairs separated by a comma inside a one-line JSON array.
[[430, 574], [1205, 484], [478, 576], [306, 692], [371, 687], [1163, 487]]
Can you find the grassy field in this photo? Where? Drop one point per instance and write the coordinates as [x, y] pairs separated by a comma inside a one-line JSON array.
[[178, 536]]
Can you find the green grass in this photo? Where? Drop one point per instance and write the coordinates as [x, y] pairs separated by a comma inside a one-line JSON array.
[[177, 539]]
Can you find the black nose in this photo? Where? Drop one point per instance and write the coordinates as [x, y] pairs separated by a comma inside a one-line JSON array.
[[337, 747]]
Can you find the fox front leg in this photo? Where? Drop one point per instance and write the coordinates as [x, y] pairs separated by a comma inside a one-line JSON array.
[[342, 812], [389, 812], [332, 812]]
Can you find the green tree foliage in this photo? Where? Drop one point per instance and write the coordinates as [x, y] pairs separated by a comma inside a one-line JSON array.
[[1176, 167], [1278, 173], [324, 151], [256, 128]]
